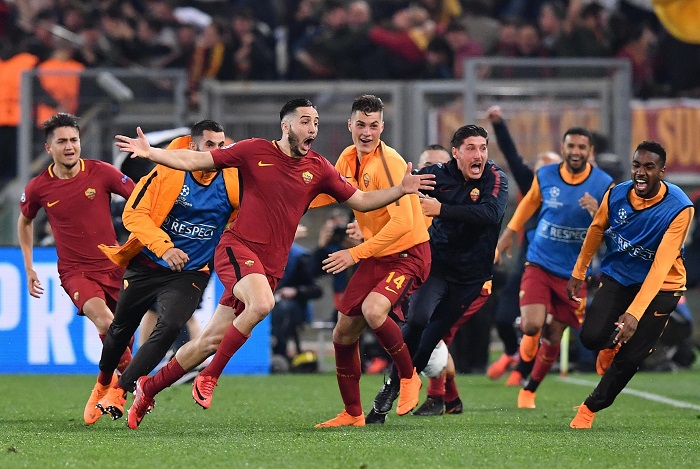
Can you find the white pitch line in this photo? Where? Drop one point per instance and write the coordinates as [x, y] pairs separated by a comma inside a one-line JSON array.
[[644, 395]]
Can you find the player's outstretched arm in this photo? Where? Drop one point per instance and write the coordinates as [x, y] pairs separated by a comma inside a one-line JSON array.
[[185, 160], [410, 184]]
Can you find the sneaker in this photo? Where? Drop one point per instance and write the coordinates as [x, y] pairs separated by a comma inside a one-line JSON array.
[[584, 417], [376, 366], [431, 406], [113, 402], [454, 407], [515, 378], [526, 399], [384, 400], [409, 392], [500, 366], [202, 390], [142, 405], [343, 419], [92, 413], [375, 417], [605, 359]]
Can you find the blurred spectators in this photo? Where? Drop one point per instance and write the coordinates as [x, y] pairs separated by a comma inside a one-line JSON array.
[[350, 39]]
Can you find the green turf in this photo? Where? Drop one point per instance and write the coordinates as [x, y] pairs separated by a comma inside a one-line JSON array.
[[267, 421]]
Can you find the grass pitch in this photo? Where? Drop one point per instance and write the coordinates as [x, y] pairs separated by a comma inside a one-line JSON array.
[[267, 422]]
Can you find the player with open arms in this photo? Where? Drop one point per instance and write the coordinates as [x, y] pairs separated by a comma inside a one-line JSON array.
[[76, 195], [279, 179]]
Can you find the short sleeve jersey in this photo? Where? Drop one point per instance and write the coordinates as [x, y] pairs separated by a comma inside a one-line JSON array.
[[79, 212], [275, 192]]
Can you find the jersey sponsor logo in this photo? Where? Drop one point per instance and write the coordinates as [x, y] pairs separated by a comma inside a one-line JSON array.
[[188, 230], [474, 194], [566, 234], [182, 198], [126, 284], [392, 291], [260, 163], [90, 193], [365, 179], [307, 177], [23, 198], [249, 263], [51, 204], [658, 315], [76, 296]]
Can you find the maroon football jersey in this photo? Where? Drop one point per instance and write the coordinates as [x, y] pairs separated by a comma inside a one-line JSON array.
[[79, 212], [276, 190]]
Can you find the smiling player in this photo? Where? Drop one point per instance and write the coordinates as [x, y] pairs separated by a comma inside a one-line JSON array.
[[567, 195]]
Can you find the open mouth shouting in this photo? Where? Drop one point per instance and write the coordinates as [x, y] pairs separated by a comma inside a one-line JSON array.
[[476, 168], [640, 185], [306, 144]]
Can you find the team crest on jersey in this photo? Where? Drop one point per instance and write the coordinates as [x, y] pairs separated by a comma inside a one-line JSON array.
[[76, 295], [249, 263], [90, 193], [365, 179], [126, 284], [474, 194], [307, 177]]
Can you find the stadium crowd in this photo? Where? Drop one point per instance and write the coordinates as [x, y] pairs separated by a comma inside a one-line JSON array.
[[347, 39]]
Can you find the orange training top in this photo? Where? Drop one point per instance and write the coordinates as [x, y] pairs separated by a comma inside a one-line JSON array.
[[387, 230], [667, 272]]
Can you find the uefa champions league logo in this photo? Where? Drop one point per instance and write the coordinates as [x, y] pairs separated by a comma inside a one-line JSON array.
[[552, 201], [621, 216], [182, 198]]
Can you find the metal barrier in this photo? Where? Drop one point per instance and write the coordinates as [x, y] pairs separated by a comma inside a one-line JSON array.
[[591, 92]]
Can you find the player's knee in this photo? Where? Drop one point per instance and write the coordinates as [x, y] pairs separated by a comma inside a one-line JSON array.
[[592, 341], [529, 328], [102, 323], [344, 336], [259, 309]]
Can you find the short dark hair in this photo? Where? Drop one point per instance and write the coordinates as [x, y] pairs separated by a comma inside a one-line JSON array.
[[467, 131], [579, 131], [292, 105], [367, 103], [62, 119], [653, 147], [199, 127], [436, 146]]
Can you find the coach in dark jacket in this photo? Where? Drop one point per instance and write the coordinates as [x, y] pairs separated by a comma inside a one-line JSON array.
[[467, 206]]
